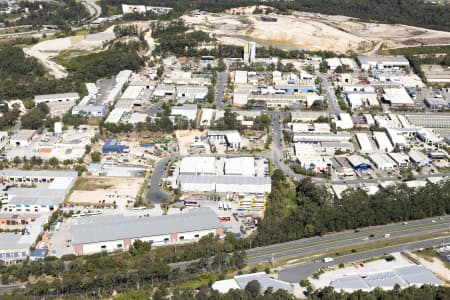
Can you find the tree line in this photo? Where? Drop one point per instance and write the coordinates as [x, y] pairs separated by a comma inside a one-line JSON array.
[[310, 209]]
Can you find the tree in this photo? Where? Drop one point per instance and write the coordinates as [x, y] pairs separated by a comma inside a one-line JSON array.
[[278, 175], [253, 289], [96, 156], [54, 162]]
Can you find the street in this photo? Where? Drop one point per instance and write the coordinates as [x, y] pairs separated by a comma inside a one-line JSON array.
[[222, 79], [330, 95]]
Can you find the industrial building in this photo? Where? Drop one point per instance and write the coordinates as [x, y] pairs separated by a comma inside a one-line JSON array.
[[382, 62], [191, 93], [382, 141], [187, 110], [344, 121], [23, 137], [53, 187], [241, 281], [382, 161], [89, 110], [56, 98], [397, 97], [358, 162], [364, 142], [223, 175], [307, 116], [418, 158], [401, 159], [412, 275], [231, 138], [249, 52], [113, 146], [118, 233], [15, 247]]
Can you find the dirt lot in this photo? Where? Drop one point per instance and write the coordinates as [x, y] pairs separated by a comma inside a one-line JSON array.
[[45, 50], [94, 190], [313, 32]]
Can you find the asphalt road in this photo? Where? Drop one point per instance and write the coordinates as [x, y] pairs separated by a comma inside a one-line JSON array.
[[11, 287], [329, 93], [317, 244], [222, 79], [154, 193], [296, 273]]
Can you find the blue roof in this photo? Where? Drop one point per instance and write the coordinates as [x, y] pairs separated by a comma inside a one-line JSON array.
[[39, 253]]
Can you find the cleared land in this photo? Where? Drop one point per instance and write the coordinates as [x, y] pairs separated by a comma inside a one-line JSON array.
[[120, 191], [46, 50], [314, 32]]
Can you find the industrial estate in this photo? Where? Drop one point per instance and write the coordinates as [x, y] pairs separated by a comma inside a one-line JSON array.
[[198, 163]]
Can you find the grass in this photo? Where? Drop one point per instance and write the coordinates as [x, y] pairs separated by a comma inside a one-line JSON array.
[[91, 184], [427, 254]]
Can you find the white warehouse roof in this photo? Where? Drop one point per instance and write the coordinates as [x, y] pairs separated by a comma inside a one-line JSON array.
[[198, 165], [244, 166]]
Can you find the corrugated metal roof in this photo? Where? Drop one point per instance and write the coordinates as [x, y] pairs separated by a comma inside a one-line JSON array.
[[102, 229], [225, 179]]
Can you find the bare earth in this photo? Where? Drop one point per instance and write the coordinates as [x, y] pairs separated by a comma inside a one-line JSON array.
[[119, 190], [45, 50], [314, 32]]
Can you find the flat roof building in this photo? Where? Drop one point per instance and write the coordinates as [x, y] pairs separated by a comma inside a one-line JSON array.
[[381, 62], [419, 158], [113, 146], [118, 233], [187, 110], [382, 141], [358, 162], [397, 97], [364, 142], [56, 98], [382, 161], [23, 137], [241, 281]]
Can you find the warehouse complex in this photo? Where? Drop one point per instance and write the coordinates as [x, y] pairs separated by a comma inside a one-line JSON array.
[[118, 233], [224, 175]]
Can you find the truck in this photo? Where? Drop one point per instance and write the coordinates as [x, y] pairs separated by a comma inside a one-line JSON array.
[[328, 259], [386, 235]]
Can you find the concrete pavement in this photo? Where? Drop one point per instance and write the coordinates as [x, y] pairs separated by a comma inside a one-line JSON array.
[[222, 79]]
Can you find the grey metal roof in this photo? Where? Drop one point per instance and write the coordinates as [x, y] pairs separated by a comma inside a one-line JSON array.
[[418, 275], [354, 282], [43, 173], [225, 179], [264, 280], [56, 96], [385, 279], [117, 227]]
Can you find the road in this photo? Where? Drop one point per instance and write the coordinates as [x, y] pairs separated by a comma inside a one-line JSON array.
[[222, 79], [154, 193], [314, 245], [94, 9], [11, 287], [296, 273], [329, 93]]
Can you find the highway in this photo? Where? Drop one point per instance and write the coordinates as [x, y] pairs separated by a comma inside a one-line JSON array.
[[296, 273], [317, 244]]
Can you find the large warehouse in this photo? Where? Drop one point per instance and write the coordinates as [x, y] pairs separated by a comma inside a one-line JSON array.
[[117, 232], [224, 175]]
